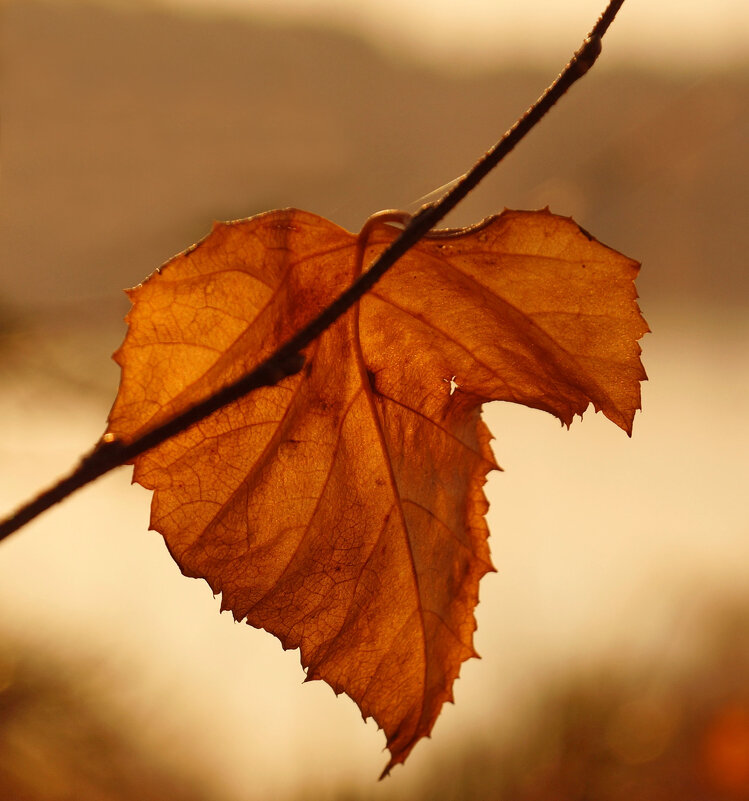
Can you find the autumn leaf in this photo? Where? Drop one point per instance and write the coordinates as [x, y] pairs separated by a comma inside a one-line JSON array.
[[342, 509]]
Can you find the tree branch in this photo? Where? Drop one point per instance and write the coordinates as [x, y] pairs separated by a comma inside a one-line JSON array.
[[288, 359]]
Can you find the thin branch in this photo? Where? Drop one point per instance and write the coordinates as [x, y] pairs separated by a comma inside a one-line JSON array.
[[288, 359]]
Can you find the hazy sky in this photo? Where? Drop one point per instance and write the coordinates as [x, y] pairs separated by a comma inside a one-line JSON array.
[[674, 32]]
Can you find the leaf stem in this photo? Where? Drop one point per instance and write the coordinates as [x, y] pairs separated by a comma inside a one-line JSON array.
[[288, 359]]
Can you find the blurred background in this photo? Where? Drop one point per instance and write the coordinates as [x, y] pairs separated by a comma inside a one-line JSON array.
[[615, 636]]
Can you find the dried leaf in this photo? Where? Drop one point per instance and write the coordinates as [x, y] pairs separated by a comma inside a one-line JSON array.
[[342, 510]]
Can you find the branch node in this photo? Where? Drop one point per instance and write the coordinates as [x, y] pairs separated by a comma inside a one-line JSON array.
[[586, 56], [106, 453]]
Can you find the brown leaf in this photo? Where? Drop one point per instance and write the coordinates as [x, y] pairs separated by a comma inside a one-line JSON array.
[[342, 510]]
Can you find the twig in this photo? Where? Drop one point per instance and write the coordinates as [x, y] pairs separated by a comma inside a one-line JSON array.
[[288, 359]]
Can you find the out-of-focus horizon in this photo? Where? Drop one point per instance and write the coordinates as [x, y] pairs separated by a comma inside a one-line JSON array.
[[128, 127], [483, 34]]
